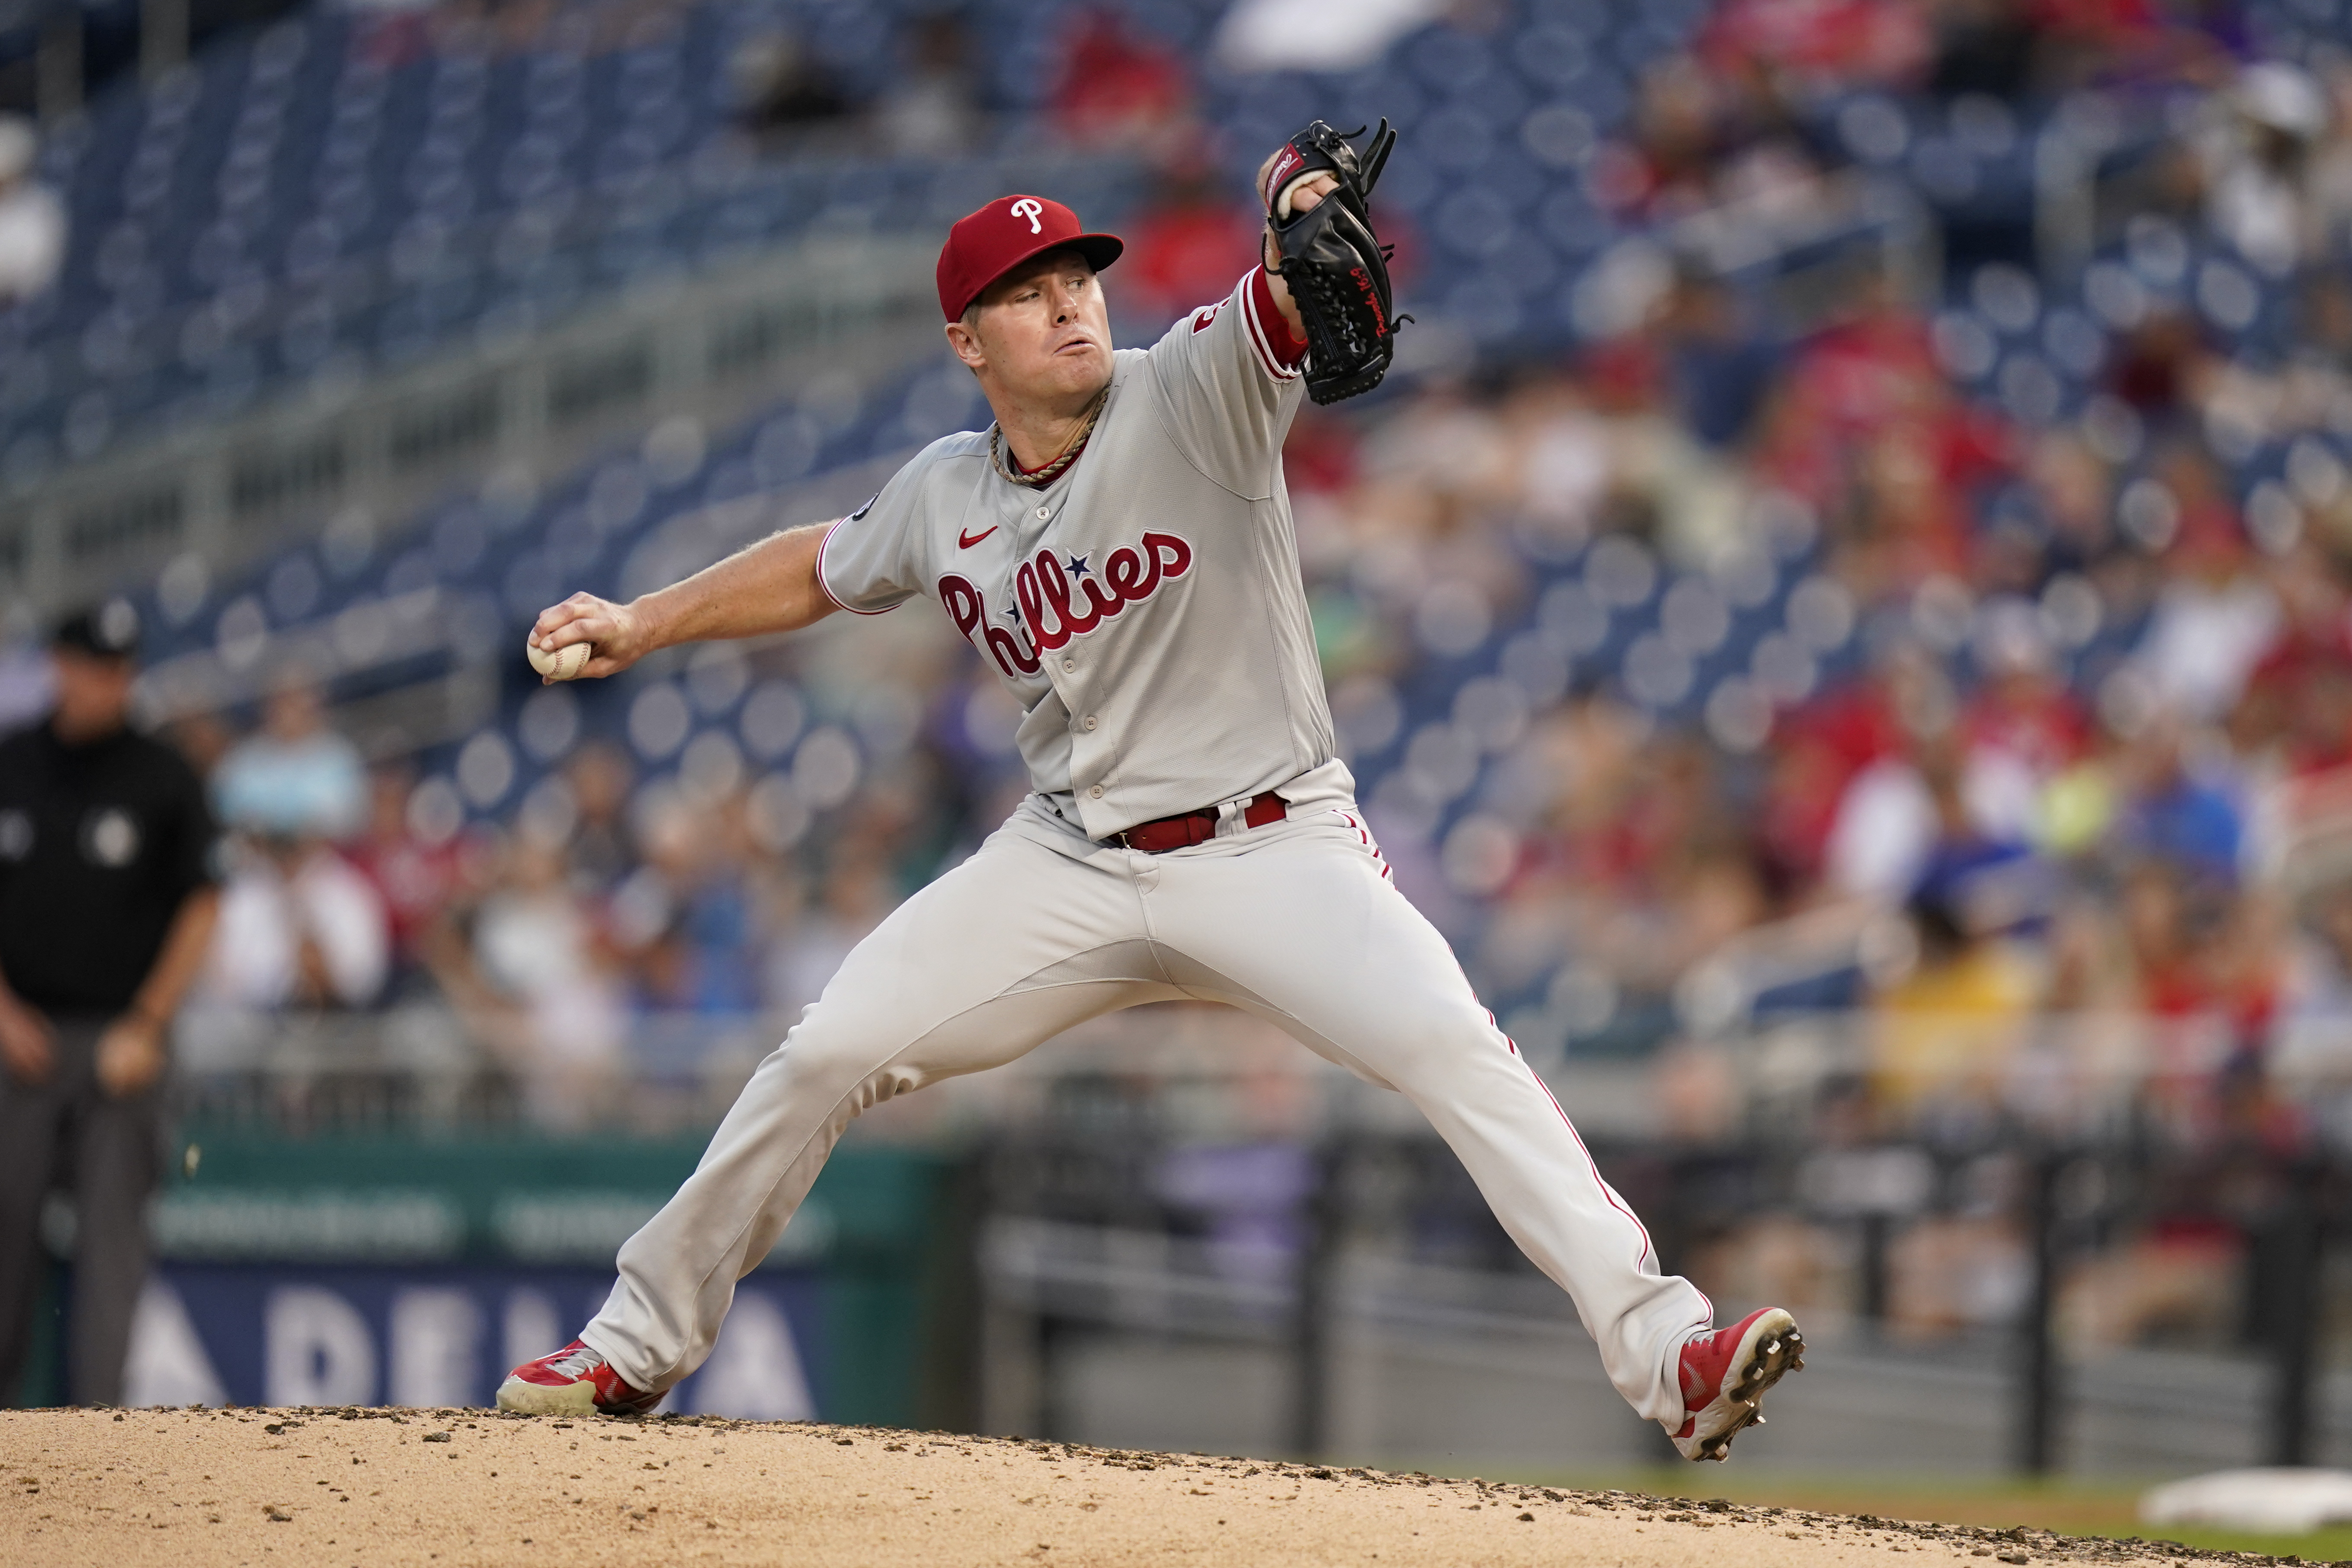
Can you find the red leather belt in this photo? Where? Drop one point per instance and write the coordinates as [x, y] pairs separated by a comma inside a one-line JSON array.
[[1158, 838]]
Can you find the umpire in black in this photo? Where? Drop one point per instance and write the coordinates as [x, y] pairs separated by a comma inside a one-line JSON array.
[[108, 896]]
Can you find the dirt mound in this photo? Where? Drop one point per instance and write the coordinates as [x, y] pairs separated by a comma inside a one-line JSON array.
[[456, 1487]]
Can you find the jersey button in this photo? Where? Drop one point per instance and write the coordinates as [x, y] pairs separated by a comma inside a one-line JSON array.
[[1042, 514], [1095, 792], [1091, 720], [1069, 666]]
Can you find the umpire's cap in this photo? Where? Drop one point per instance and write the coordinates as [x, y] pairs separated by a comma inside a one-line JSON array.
[[984, 246], [108, 629]]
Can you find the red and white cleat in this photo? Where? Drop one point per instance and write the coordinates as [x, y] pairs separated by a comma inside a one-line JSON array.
[[574, 1381], [1725, 1373]]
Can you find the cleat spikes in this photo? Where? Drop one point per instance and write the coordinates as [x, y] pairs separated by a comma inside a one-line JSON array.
[[1726, 1372]]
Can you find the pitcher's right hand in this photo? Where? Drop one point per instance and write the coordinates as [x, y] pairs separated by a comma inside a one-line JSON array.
[[617, 631]]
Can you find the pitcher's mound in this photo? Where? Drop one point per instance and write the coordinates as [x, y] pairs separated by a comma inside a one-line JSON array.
[[450, 1489]]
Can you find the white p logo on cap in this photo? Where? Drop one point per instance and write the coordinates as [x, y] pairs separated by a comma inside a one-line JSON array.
[[1028, 207]]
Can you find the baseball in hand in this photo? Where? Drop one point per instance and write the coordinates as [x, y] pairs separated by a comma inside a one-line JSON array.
[[563, 664]]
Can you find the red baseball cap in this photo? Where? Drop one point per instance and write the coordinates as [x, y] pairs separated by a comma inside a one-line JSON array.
[[986, 244]]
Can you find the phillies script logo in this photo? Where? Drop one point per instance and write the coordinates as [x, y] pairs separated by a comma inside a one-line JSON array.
[[1056, 602]]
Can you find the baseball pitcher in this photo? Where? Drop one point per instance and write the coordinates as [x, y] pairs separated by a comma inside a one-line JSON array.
[[1118, 547]]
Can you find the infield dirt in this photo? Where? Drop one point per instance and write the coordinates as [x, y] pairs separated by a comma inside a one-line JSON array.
[[450, 1489]]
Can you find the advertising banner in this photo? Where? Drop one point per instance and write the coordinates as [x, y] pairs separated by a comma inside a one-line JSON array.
[[265, 1333]]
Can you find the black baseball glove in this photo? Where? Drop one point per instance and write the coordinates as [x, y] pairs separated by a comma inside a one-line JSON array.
[[1336, 268]]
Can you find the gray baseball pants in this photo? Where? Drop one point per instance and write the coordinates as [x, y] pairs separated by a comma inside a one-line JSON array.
[[1042, 929]]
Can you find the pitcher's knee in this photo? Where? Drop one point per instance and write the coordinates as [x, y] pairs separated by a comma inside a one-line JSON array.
[[888, 1082], [837, 1064]]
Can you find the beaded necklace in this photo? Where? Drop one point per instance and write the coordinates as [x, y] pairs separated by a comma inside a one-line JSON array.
[[1040, 477]]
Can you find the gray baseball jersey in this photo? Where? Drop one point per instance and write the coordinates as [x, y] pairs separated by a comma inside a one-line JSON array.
[[1145, 609]]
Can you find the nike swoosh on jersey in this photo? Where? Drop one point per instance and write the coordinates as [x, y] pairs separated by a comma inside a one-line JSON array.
[[965, 542]]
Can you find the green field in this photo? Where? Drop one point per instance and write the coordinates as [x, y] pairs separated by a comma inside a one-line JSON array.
[[2074, 1508]]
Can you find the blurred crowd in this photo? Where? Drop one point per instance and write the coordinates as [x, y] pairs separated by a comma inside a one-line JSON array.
[[2054, 679], [2067, 683], [612, 906], [1993, 656]]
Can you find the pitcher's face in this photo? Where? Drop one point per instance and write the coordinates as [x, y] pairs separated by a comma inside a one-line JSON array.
[[1042, 333]]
